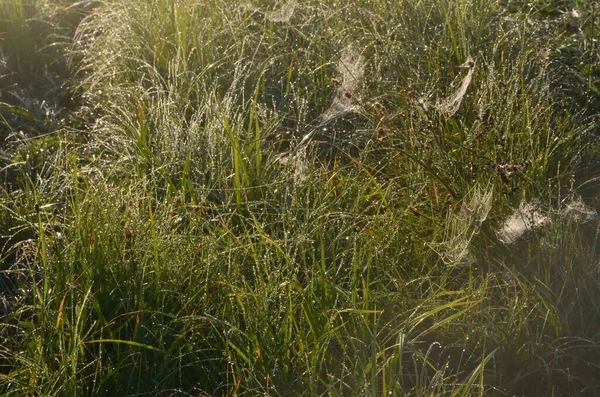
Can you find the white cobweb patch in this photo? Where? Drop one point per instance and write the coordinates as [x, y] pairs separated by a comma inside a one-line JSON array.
[[576, 211], [351, 69], [449, 106], [522, 222], [284, 14], [461, 227]]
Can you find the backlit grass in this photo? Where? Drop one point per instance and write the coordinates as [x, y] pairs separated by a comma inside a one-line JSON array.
[[311, 198]]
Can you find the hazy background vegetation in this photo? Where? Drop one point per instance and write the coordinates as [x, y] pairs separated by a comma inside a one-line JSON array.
[[355, 198]]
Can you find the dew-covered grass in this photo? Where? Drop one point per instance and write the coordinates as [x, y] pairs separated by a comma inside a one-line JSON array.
[[299, 198]]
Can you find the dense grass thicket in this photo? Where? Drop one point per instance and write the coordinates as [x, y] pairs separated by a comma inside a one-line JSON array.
[[351, 198]]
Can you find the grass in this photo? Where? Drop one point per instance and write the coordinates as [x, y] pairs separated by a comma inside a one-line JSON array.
[[299, 199]]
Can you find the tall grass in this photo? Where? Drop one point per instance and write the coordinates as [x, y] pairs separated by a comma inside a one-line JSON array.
[[306, 199]]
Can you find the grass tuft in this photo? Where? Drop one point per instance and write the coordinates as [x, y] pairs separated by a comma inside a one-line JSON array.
[[299, 198]]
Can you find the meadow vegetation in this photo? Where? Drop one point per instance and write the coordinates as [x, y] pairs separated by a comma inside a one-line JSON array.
[[359, 198]]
